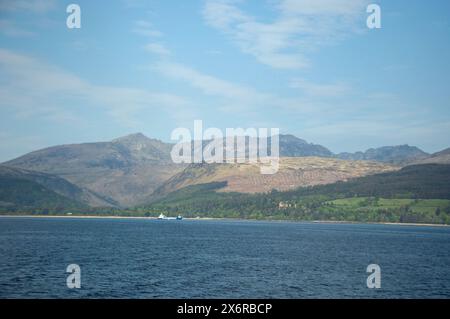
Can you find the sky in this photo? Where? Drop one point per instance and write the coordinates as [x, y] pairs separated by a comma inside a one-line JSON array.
[[311, 68]]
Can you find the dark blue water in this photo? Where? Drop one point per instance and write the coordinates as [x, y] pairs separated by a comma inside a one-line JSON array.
[[220, 259]]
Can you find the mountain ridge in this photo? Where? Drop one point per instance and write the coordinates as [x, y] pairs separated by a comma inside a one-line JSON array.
[[400, 154]]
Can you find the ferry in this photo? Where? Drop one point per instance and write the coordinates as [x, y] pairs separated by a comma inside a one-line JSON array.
[[164, 217]]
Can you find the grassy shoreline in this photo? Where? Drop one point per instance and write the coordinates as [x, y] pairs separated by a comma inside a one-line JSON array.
[[224, 219]]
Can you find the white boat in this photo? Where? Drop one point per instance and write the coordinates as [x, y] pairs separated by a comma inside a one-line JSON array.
[[164, 217]]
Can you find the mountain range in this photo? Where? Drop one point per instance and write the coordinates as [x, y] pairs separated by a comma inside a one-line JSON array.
[[400, 155], [134, 169]]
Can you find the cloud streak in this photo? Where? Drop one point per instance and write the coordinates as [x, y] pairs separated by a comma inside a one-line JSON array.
[[31, 88], [320, 90], [158, 49], [300, 27], [11, 29], [36, 6], [145, 28]]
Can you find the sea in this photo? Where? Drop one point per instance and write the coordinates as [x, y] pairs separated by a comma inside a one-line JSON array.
[[146, 258]]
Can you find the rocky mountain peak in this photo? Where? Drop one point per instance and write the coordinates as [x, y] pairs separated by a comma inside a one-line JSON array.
[[132, 138], [289, 138]]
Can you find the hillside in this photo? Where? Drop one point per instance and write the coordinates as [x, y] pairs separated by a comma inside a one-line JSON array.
[[18, 191], [294, 172], [422, 184], [430, 181], [57, 185], [442, 157]]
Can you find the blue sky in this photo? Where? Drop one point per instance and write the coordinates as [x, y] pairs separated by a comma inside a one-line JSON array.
[[309, 67]]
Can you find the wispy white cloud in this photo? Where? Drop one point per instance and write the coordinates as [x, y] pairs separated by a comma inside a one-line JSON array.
[[158, 49], [135, 4], [32, 88], [36, 16], [300, 26], [145, 28], [321, 7], [13, 145], [233, 97], [350, 114], [11, 29], [38, 6], [208, 84], [213, 52], [320, 90], [365, 132]]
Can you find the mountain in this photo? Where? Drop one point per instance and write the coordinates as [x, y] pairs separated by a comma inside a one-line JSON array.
[[399, 155], [293, 172], [126, 170], [442, 157], [291, 146], [21, 189]]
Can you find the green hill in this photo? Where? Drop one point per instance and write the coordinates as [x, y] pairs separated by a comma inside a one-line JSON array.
[[58, 185], [20, 195], [418, 181], [414, 183]]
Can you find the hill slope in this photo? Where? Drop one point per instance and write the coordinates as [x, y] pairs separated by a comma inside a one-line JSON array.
[[56, 184], [21, 190], [442, 157], [414, 194], [430, 181], [294, 172]]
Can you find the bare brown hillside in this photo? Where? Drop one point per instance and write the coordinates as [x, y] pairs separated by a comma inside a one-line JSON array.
[[294, 172]]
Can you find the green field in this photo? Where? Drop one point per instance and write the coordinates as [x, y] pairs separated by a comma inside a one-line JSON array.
[[416, 205], [427, 209]]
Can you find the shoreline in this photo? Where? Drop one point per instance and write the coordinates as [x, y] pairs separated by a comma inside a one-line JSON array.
[[224, 219]]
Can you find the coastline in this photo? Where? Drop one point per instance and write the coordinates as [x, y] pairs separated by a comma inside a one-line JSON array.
[[100, 217], [223, 219]]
